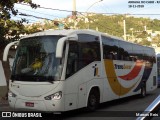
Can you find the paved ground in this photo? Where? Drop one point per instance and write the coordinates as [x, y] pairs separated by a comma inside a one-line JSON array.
[[3, 102]]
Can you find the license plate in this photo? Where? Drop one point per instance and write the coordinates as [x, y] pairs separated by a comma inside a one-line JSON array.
[[29, 104]]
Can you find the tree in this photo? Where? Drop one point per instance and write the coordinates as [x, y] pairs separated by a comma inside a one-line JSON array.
[[10, 29], [156, 40], [145, 42]]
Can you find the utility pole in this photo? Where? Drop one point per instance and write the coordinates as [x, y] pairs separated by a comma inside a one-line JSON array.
[[74, 12], [145, 28], [124, 28], [89, 8]]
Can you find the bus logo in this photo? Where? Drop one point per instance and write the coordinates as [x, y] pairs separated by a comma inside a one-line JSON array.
[[116, 86]]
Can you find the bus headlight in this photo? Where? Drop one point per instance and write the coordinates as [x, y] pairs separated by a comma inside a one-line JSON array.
[[55, 96], [11, 94]]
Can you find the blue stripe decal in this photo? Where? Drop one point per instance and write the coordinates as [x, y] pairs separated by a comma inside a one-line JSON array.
[[146, 74]]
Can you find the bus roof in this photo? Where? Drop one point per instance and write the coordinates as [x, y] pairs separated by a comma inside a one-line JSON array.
[[61, 32], [73, 31]]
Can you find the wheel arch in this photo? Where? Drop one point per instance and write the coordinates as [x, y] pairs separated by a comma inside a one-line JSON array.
[[97, 88]]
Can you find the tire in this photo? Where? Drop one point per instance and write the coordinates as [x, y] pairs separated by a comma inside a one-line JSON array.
[[143, 92], [93, 100]]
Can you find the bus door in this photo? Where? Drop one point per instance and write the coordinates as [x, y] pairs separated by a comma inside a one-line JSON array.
[[83, 66]]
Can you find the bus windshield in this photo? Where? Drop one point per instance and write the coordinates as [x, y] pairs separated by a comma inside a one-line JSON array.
[[35, 60]]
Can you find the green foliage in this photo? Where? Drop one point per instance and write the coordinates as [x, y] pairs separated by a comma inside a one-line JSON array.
[[145, 42], [113, 25], [110, 24], [9, 29], [156, 40]]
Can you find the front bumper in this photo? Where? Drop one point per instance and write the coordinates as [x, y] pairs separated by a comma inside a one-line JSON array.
[[37, 105]]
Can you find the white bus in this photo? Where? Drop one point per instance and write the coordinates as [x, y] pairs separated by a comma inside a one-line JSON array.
[[62, 70]]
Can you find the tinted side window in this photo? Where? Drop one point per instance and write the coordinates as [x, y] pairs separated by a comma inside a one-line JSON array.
[[125, 51], [137, 52], [89, 47], [82, 53], [110, 48], [72, 62], [149, 55]]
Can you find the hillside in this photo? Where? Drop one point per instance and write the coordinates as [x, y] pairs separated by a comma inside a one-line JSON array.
[[140, 30]]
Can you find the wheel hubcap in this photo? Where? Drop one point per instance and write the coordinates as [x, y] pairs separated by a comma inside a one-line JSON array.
[[93, 101]]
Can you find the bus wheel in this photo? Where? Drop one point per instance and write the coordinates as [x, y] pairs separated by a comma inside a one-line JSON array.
[[143, 91], [93, 100]]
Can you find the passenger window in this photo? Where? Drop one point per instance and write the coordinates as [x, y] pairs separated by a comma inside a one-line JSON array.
[[110, 48], [72, 62], [125, 51], [82, 53], [90, 47], [138, 53]]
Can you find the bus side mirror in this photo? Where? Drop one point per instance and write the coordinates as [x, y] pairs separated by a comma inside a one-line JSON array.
[[6, 50], [61, 43]]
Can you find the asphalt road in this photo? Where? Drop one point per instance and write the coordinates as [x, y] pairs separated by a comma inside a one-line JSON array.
[[127, 107], [123, 109]]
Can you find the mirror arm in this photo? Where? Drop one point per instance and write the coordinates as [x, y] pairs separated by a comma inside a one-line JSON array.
[[61, 42], [6, 50], [59, 50]]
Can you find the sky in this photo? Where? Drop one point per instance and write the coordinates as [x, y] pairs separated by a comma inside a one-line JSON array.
[[139, 8]]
